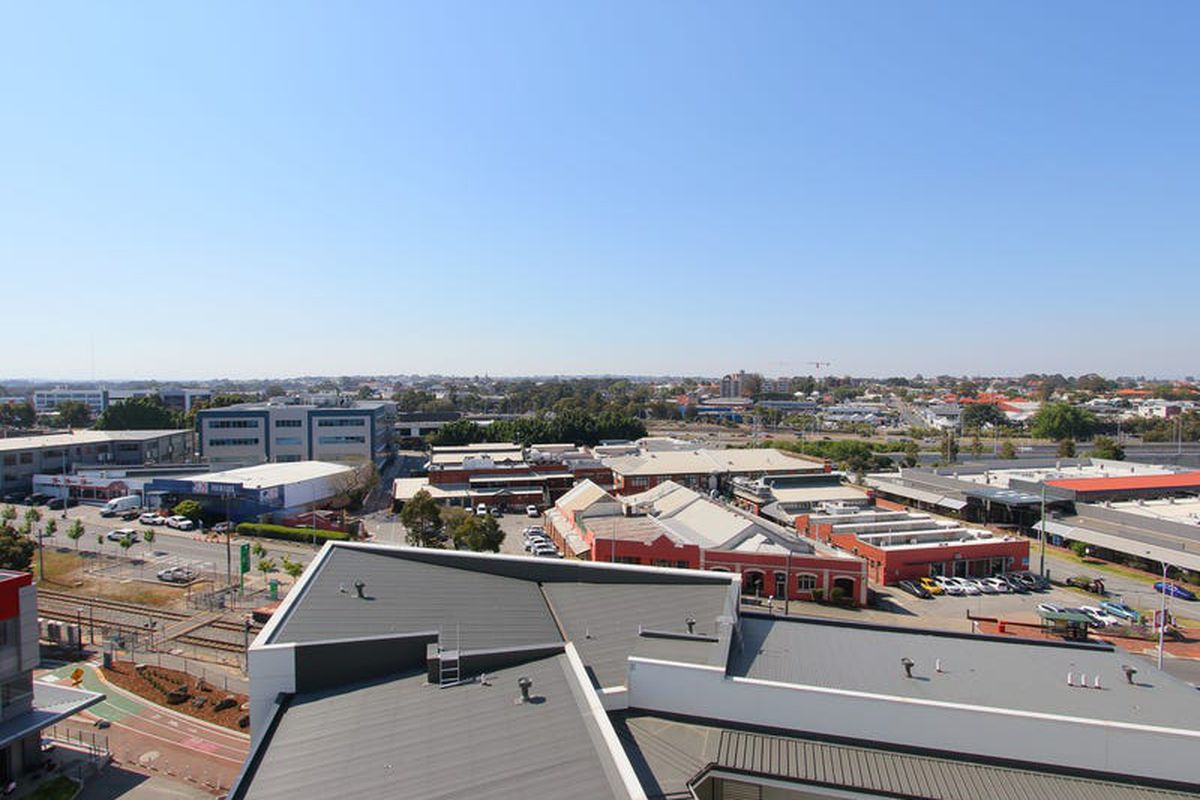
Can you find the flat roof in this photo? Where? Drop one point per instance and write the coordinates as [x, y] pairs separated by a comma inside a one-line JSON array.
[[404, 738], [1023, 674], [1179, 480], [708, 461], [262, 476], [82, 437]]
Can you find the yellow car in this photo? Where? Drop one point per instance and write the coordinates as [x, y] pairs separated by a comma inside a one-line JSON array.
[[930, 585]]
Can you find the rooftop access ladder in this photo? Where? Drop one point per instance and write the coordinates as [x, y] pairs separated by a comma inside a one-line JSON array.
[[448, 665]]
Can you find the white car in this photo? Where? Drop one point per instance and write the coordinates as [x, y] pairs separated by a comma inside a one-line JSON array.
[[964, 586], [996, 583], [531, 511], [180, 523], [949, 585], [982, 585], [121, 533], [152, 519], [1050, 608], [1102, 618]]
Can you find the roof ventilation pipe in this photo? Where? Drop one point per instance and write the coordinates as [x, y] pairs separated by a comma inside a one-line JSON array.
[[524, 684], [1129, 673], [907, 663], [691, 624], [359, 586]]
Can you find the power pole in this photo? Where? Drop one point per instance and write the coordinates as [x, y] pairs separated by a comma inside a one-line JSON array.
[[1042, 566]]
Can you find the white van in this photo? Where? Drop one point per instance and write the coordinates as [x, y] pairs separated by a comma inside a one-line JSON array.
[[119, 505]]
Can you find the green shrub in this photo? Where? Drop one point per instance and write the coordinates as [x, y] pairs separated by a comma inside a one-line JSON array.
[[818, 594], [1079, 548], [290, 534], [837, 594]]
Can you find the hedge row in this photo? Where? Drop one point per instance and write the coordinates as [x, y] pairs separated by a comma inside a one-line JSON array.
[[291, 534]]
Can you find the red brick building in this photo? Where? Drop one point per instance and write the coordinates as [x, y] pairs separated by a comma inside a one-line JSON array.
[[673, 526], [898, 545]]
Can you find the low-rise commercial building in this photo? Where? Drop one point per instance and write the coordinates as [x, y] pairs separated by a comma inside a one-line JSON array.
[[673, 526], [22, 457], [596, 680], [46, 400], [346, 431], [899, 545], [264, 490], [704, 469], [489, 474], [782, 497]]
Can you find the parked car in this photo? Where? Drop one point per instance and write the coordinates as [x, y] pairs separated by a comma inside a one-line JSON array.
[[224, 527], [130, 516], [180, 523], [998, 585], [37, 499], [967, 586], [531, 511], [481, 510], [120, 533], [915, 590], [930, 585], [1050, 608], [150, 518], [1174, 590], [1102, 618], [1016, 584], [118, 505], [949, 585], [497, 511], [57, 504], [12, 498], [1120, 610], [983, 585], [177, 575]]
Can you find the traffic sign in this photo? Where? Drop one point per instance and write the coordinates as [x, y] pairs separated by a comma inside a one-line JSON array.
[[245, 553]]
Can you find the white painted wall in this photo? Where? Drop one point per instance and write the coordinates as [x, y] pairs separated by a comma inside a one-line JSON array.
[[1142, 750], [272, 670]]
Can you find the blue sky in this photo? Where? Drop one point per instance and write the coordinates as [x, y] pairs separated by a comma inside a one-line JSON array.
[[207, 190]]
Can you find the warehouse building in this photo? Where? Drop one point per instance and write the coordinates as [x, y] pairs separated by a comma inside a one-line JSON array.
[[703, 469], [345, 431], [264, 490], [423, 673], [22, 457]]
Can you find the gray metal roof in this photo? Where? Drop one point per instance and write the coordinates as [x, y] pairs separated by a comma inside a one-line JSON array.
[[1014, 674], [668, 753], [406, 738], [603, 621], [406, 596], [51, 703]]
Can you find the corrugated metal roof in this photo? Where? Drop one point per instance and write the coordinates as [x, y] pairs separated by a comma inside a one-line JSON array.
[[668, 753], [405, 738], [1013, 674], [1179, 480], [603, 620], [408, 596], [909, 775], [583, 495]]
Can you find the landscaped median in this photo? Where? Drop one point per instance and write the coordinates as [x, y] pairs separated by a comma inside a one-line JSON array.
[[182, 692], [266, 531]]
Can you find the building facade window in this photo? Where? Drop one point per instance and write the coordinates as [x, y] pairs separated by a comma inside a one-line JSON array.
[[627, 560], [639, 483], [285, 440], [214, 424], [289, 423], [341, 440], [249, 442], [806, 583], [353, 422], [286, 459]]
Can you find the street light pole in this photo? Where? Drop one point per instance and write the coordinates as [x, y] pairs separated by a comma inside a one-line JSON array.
[[1162, 616], [1042, 565]]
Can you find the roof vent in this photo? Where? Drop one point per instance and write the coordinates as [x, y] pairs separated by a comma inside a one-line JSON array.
[[691, 624], [359, 586], [1129, 673], [524, 684], [907, 663]]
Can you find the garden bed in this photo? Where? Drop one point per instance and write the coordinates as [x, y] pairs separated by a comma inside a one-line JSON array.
[[178, 691]]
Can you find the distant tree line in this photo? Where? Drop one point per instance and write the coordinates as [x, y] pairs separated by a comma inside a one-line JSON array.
[[572, 426]]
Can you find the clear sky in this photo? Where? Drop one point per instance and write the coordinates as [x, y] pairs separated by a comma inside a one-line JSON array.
[[206, 189]]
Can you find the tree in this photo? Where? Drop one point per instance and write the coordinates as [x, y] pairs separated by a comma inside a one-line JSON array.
[[74, 414], [1061, 421], [1066, 448], [32, 516], [137, 414], [149, 537], [126, 542], [75, 532], [1106, 447], [18, 415], [912, 453], [266, 565], [188, 508], [100, 542], [16, 551], [258, 550], [979, 415], [976, 446], [50, 528], [8, 514], [478, 534], [423, 519], [1008, 450], [292, 568]]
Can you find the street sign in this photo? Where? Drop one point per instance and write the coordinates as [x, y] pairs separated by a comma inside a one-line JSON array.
[[245, 554]]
